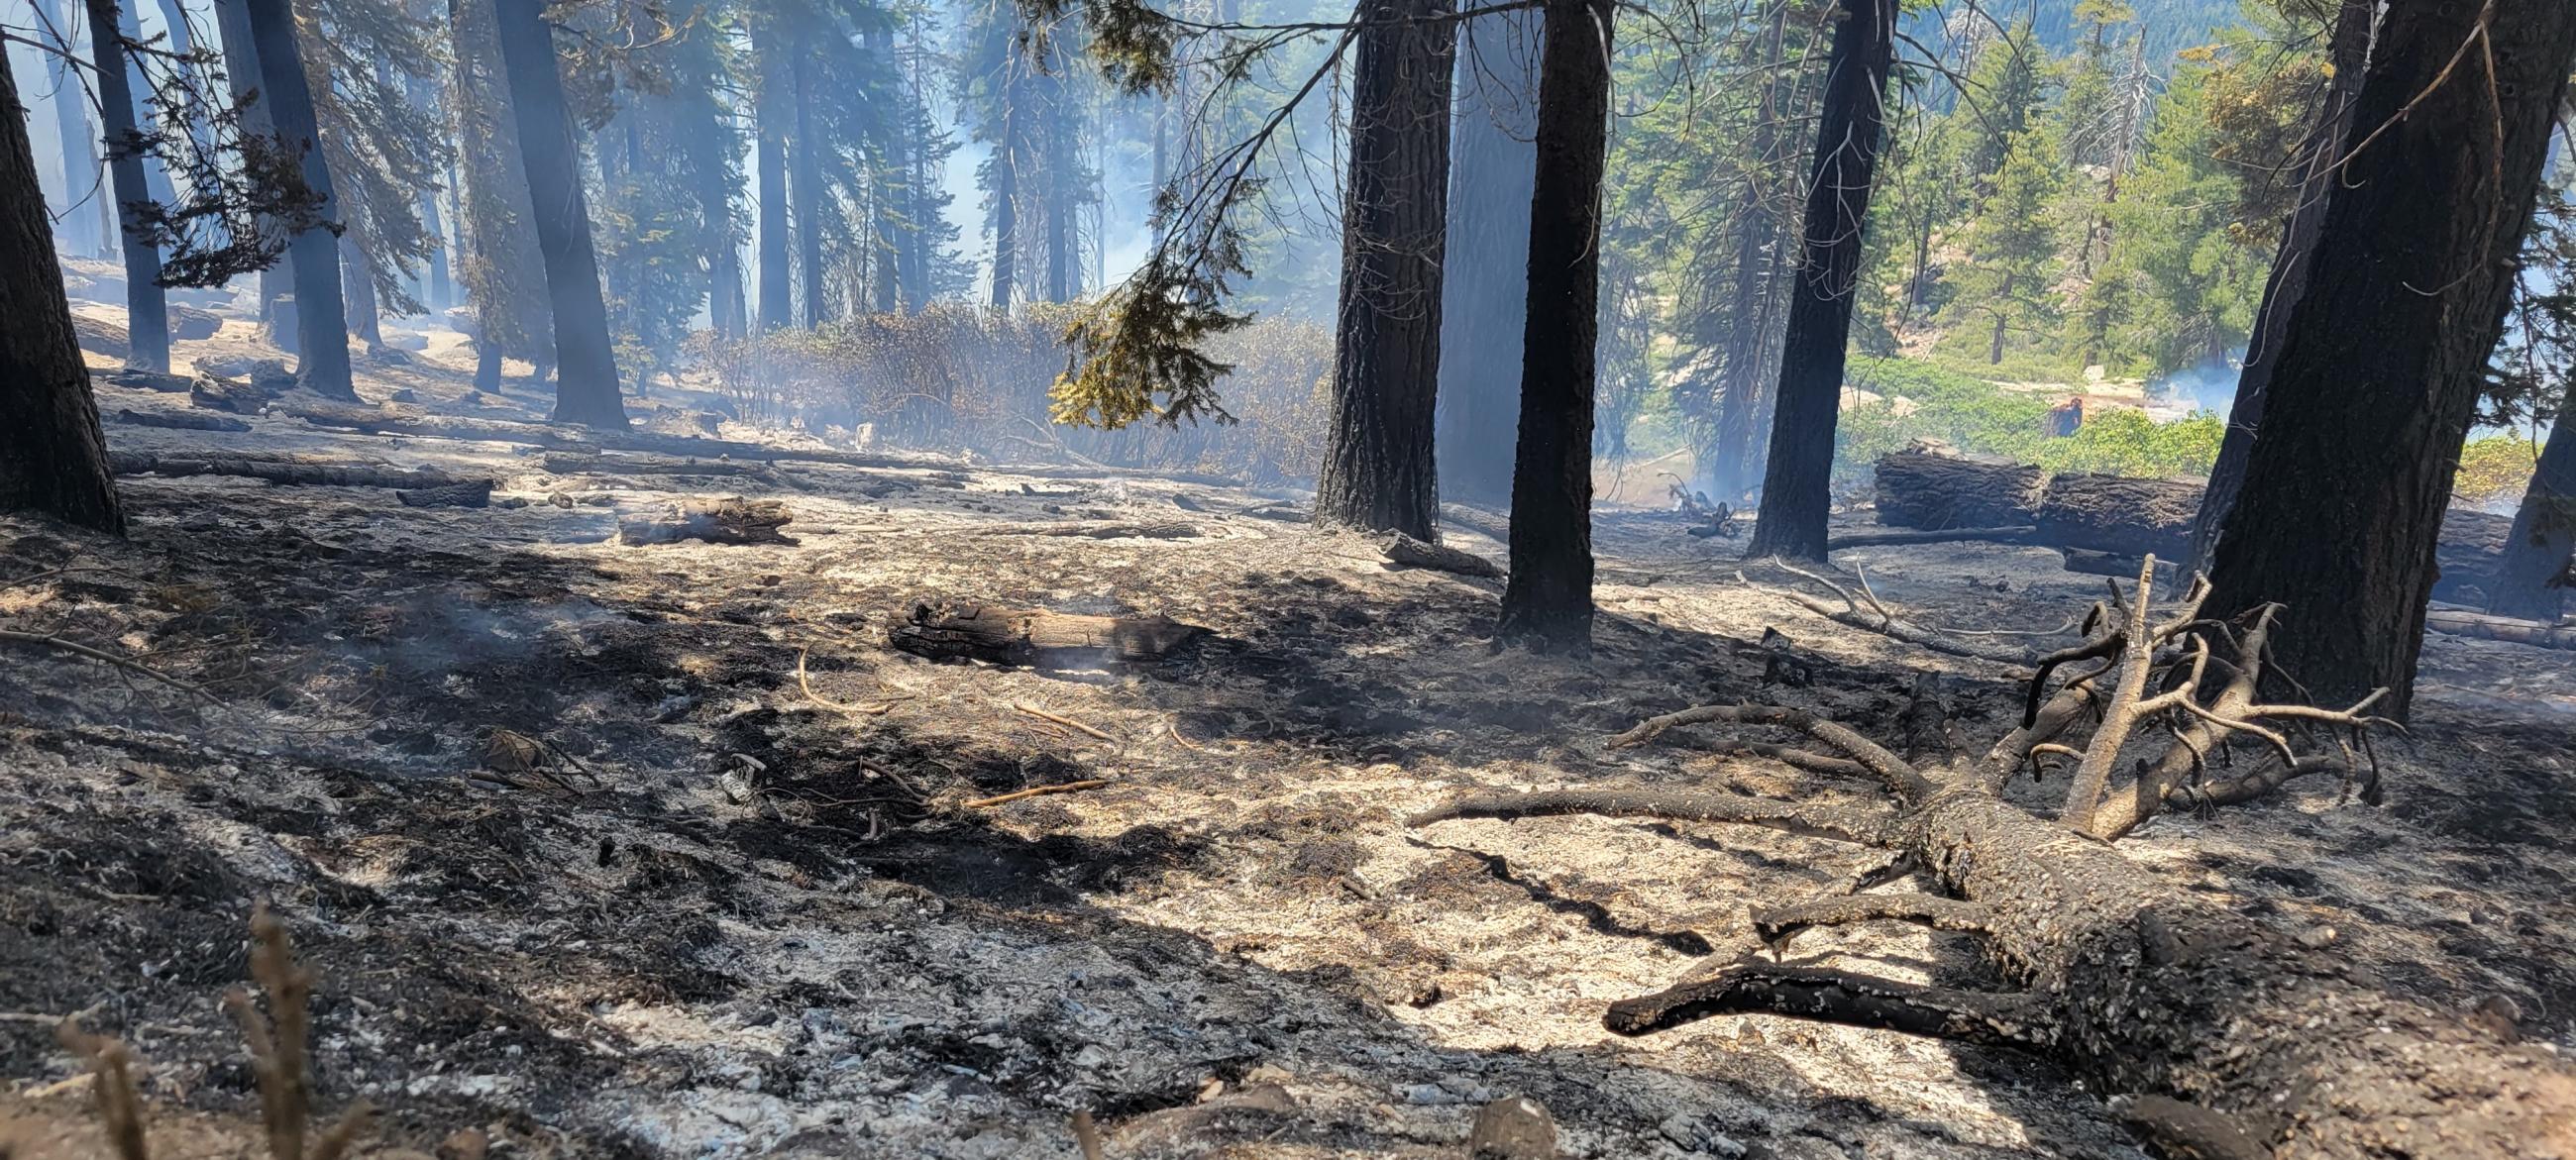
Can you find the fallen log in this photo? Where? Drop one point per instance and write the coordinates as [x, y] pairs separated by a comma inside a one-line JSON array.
[[180, 422], [2112, 513], [585, 440], [2124, 517], [1408, 552], [1035, 638], [1096, 530], [1930, 490], [573, 463], [2539, 634], [286, 472], [2021, 534], [733, 520], [472, 493], [239, 396], [2215, 1036]]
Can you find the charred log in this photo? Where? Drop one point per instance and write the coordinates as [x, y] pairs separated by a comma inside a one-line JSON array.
[[1935, 491], [279, 471], [733, 520], [1035, 637]]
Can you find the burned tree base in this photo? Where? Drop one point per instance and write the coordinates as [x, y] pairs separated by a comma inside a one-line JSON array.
[[945, 630]]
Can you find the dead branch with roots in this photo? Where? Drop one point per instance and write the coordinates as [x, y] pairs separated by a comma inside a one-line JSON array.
[[2214, 1035]]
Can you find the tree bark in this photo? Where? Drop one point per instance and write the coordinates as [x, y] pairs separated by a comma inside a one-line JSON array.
[[147, 310], [1378, 467], [358, 287], [321, 322], [80, 162], [1729, 464], [1923, 490], [806, 190], [1796, 482], [2349, 50], [1485, 290], [771, 112], [2532, 582], [503, 271], [2342, 506], [1005, 210], [585, 366], [52, 457], [1548, 600], [1063, 274]]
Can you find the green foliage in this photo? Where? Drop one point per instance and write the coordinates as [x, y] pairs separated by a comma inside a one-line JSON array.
[[1980, 418], [2495, 469]]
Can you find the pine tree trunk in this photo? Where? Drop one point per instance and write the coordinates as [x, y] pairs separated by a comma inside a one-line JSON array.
[[358, 288], [52, 459], [1731, 466], [1548, 600], [147, 311], [2349, 51], [80, 162], [1797, 480], [1378, 468], [771, 113], [807, 191], [242, 77], [1485, 291], [1063, 273], [2343, 499], [503, 270], [321, 322], [1005, 209], [585, 366], [2531, 583]]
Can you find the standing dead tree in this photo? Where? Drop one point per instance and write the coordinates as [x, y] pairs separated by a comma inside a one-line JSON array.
[[2217, 1037]]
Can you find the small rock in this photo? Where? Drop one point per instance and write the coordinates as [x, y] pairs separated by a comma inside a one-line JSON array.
[[1517, 1128], [2317, 937]]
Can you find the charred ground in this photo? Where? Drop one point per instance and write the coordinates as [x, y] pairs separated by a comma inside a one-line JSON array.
[[611, 950]]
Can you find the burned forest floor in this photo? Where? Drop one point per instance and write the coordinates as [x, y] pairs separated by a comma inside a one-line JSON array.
[[578, 859]]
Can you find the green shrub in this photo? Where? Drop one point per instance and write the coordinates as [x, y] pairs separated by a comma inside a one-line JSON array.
[[2495, 469], [1982, 419]]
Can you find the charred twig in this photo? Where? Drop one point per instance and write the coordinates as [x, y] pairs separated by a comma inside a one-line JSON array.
[[40, 640], [1059, 719], [1034, 791], [113, 1091], [877, 709], [277, 1049], [1812, 821]]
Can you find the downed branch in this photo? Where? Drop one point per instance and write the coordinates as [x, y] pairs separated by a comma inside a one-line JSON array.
[[284, 472], [1095, 529], [2017, 534], [2218, 1035], [947, 630], [180, 421], [1405, 551], [1035, 791], [85, 652], [732, 520], [1060, 719], [2538, 634], [1885, 623]]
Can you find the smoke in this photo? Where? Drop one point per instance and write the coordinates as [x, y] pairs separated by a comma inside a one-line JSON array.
[[2208, 385]]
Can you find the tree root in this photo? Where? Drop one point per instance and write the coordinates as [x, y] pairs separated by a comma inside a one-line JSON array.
[[1983, 1018], [1812, 821]]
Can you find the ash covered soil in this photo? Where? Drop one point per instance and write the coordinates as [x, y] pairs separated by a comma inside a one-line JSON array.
[[732, 913]]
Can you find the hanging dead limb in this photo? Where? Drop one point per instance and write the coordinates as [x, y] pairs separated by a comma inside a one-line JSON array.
[[2218, 1035]]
